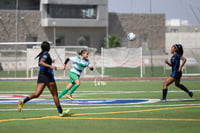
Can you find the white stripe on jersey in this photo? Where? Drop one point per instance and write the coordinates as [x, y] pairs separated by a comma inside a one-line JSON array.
[[78, 64]]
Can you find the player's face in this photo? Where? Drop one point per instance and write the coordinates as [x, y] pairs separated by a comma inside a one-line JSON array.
[[173, 50], [85, 55]]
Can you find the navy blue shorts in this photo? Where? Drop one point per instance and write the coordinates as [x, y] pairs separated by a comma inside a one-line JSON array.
[[176, 75], [45, 78]]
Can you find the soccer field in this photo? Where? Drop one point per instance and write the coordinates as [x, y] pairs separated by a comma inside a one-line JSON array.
[[130, 106]]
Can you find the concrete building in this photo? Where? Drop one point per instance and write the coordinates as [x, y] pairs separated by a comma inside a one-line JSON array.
[[179, 31], [75, 22], [149, 30], [62, 21]]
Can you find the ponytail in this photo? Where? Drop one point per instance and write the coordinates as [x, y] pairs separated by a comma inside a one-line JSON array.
[[39, 54]]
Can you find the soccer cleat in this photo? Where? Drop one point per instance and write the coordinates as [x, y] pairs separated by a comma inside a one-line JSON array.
[[64, 113], [70, 97], [163, 100], [20, 105], [190, 94]]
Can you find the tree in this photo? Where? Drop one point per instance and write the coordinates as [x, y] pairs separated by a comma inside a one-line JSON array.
[[81, 41], [113, 41]]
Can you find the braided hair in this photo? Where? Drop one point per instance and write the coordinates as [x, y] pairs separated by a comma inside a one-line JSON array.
[[179, 49], [45, 46]]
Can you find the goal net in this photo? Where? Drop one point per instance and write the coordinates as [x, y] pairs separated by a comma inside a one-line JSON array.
[[59, 54], [192, 66], [121, 57], [17, 59]]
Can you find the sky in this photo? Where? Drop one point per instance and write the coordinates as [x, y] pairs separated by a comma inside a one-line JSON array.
[[173, 9]]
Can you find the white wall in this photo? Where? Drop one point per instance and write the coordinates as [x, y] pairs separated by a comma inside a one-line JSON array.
[[187, 39]]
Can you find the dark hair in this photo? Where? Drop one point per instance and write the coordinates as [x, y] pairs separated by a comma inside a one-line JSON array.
[[45, 46], [82, 51], [179, 49]]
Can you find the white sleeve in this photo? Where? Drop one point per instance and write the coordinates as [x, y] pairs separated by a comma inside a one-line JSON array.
[[89, 64], [73, 59]]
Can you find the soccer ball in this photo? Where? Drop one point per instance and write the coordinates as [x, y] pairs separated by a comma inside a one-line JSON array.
[[131, 36]]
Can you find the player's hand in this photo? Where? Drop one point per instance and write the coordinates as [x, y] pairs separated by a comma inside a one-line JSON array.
[[166, 61], [179, 69], [91, 68], [54, 67], [53, 61], [63, 68]]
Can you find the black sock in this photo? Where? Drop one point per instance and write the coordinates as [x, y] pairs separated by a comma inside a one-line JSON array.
[[59, 109], [164, 94], [26, 99], [182, 87]]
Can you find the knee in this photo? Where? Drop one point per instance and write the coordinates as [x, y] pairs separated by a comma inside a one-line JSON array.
[[78, 83], [165, 85], [178, 85]]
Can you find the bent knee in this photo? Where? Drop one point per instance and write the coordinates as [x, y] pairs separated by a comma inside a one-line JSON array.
[[178, 85]]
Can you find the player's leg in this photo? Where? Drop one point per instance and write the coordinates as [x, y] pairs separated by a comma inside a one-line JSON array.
[[73, 89], [167, 82], [182, 87], [53, 89], [65, 90], [72, 78], [39, 89]]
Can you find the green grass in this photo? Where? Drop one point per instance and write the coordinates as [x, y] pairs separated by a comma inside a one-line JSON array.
[[155, 71], [168, 117]]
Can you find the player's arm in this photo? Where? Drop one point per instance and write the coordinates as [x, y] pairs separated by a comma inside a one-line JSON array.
[[42, 62], [182, 64], [65, 64], [168, 63], [91, 68]]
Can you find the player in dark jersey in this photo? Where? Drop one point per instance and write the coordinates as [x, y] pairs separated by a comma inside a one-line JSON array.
[[45, 78], [177, 51]]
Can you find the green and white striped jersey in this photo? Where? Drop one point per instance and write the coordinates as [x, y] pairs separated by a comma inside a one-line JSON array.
[[78, 64]]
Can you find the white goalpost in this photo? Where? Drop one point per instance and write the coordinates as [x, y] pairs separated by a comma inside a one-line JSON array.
[[122, 57], [19, 57], [32, 63]]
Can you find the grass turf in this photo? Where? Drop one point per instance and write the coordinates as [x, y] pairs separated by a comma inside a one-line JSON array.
[[168, 117]]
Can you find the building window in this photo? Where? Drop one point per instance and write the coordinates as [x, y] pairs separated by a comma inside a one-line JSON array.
[[31, 38], [22, 4], [60, 41], [72, 11], [174, 30]]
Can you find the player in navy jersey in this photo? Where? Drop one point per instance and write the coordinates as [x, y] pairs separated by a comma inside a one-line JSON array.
[[175, 63], [45, 78]]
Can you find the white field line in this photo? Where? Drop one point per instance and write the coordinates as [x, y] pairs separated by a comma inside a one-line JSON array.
[[95, 92], [104, 107], [101, 92]]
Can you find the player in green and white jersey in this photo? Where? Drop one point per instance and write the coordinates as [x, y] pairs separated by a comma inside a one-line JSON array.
[[78, 64]]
